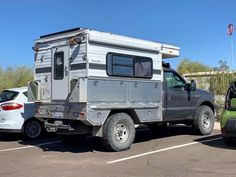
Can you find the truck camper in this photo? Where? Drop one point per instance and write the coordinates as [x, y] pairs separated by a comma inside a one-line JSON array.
[[102, 84]]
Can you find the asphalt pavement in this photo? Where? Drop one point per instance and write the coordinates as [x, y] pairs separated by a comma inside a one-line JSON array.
[[174, 151]]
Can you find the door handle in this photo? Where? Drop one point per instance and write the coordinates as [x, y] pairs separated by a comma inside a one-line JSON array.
[[66, 71], [168, 96]]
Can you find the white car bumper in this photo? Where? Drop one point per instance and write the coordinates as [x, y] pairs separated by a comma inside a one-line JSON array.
[[12, 121]]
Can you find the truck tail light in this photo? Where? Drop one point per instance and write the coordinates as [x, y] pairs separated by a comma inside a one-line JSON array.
[[82, 114], [11, 106], [223, 131]]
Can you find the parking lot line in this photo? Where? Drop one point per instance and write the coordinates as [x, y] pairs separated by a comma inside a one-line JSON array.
[[30, 146], [161, 150]]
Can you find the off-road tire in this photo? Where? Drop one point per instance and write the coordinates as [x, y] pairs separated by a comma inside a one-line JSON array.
[[204, 120], [118, 132]]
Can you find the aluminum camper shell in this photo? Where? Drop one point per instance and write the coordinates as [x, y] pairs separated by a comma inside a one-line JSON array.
[[72, 79]]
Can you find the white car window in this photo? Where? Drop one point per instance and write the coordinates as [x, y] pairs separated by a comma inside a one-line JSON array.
[[26, 94], [8, 95]]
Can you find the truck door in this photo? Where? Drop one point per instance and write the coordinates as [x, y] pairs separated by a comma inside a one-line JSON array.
[[177, 101], [60, 78]]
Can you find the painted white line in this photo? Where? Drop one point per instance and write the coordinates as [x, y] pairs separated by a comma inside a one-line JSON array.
[[161, 150], [31, 146]]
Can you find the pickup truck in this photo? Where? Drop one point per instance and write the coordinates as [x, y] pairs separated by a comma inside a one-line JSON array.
[[102, 84]]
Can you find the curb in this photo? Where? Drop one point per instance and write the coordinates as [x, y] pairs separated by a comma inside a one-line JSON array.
[[217, 126]]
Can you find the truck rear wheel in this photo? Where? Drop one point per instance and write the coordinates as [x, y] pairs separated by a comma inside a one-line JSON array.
[[204, 120], [118, 132]]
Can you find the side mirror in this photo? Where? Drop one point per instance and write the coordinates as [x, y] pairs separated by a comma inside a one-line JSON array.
[[190, 86], [233, 103], [187, 87], [193, 85]]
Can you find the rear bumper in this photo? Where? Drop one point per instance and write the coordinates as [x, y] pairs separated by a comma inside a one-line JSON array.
[[11, 120], [61, 110], [229, 130], [11, 126]]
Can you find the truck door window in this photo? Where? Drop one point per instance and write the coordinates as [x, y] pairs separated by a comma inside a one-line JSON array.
[[59, 65], [173, 80]]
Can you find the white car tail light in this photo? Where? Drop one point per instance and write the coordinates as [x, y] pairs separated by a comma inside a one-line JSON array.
[[11, 106]]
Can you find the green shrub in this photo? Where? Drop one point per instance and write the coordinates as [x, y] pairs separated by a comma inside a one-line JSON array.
[[15, 77], [219, 83]]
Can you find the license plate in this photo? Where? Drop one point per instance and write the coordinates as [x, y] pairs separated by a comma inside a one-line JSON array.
[[58, 115]]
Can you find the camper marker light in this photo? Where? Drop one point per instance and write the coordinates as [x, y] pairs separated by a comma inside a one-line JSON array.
[[11, 106], [74, 41], [35, 48], [82, 114]]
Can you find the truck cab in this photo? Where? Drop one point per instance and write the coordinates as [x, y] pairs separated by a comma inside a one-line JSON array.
[[182, 99]]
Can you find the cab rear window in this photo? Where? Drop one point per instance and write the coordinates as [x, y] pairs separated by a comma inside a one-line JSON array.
[[8, 95]]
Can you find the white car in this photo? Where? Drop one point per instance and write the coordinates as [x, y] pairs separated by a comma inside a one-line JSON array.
[[16, 113]]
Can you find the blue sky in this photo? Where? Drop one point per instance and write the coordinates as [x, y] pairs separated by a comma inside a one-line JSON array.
[[198, 27]]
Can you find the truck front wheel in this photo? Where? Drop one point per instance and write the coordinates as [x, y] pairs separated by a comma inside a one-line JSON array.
[[204, 120], [118, 132]]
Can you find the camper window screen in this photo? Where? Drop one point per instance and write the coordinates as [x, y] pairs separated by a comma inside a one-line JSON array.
[[59, 65], [129, 66]]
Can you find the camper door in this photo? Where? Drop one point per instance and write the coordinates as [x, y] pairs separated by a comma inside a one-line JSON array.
[[60, 78]]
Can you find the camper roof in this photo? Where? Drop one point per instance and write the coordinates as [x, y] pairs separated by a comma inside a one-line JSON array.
[[61, 32], [167, 50]]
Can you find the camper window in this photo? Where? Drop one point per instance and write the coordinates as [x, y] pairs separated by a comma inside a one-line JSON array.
[[143, 67], [129, 66], [59, 65], [122, 66]]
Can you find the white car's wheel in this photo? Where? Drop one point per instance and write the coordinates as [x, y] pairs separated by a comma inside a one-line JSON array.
[[33, 129]]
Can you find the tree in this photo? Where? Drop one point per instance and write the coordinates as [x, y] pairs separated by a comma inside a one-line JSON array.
[[188, 66], [15, 77], [223, 66]]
